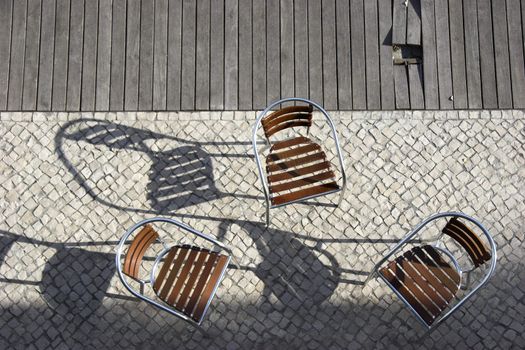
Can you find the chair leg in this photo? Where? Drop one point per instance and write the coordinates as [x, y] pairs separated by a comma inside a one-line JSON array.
[[267, 216]]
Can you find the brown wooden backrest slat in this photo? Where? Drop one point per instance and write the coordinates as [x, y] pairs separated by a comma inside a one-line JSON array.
[[475, 248], [287, 117], [293, 173], [137, 249], [177, 264], [305, 181], [188, 264], [208, 290]]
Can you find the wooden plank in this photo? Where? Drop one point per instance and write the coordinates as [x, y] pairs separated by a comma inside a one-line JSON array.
[[373, 87], [273, 43], [457, 54], [399, 27], [175, 55], [472, 54], [401, 87], [131, 91], [444, 66], [287, 47], [344, 52], [517, 62], [6, 12], [429, 55], [32, 55], [202, 74], [118, 56], [16, 72], [245, 55], [259, 54], [60, 61], [76, 40], [415, 79], [103, 55], [301, 48], [385, 54], [414, 22], [160, 55], [358, 54], [501, 50], [89, 59], [147, 30], [47, 45], [486, 47], [231, 52], [315, 58], [217, 55], [329, 55]]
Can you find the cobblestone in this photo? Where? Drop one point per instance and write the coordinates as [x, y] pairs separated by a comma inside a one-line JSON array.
[[71, 185]]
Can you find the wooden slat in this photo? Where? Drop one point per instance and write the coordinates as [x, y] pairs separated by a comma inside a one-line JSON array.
[[448, 276], [472, 54], [147, 18], [373, 88], [166, 264], [137, 249], [295, 162], [501, 50], [231, 54], [414, 22], [76, 43], [6, 9], [307, 181], [174, 54], [60, 61], [315, 54], [279, 123], [32, 55], [89, 56], [444, 65], [207, 293], [190, 285], [245, 55], [287, 46], [202, 83], [385, 52], [273, 45], [160, 55], [293, 152], [296, 172], [401, 87], [288, 124], [310, 191], [468, 240], [457, 47], [399, 28], [47, 46], [103, 56], [329, 55], [175, 268], [415, 78], [289, 143], [301, 48], [259, 54], [517, 62], [118, 56], [201, 283], [189, 8], [357, 29], [271, 118], [181, 279], [131, 93], [486, 47], [429, 54], [217, 55]]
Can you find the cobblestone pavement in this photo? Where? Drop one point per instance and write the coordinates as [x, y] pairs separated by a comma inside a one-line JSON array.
[[70, 187]]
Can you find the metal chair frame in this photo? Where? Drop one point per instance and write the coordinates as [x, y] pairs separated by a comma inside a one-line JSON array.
[[436, 239], [258, 160], [151, 280]]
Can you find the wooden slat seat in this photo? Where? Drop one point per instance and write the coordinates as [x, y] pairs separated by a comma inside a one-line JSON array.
[[298, 168], [424, 280], [188, 277], [137, 249], [476, 249]]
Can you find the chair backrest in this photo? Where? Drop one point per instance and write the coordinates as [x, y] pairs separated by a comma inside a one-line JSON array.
[[287, 117], [469, 240], [137, 249]]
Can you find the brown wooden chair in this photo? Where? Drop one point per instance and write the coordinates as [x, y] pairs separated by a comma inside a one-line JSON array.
[[188, 277], [428, 278], [297, 168]]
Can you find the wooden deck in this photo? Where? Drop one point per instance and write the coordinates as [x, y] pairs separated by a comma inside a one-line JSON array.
[[100, 55]]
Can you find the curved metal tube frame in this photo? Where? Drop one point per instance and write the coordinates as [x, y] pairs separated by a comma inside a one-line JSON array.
[[414, 232], [120, 251], [258, 160]]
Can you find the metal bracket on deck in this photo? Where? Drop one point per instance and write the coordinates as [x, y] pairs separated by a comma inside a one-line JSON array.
[[407, 54]]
